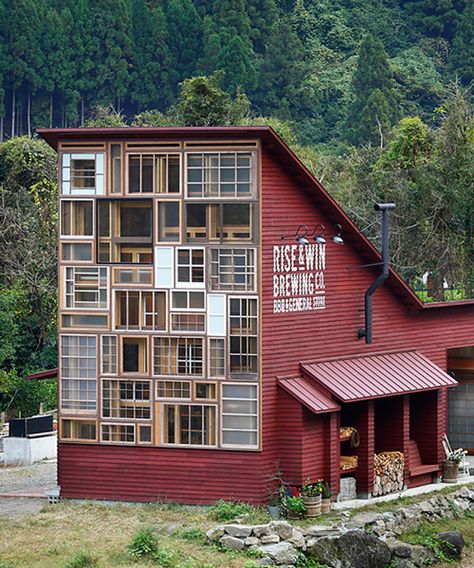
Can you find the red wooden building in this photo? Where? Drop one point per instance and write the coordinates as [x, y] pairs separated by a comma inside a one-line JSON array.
[[200, 352]]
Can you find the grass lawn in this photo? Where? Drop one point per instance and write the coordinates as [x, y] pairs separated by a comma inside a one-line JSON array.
[[53, 537]]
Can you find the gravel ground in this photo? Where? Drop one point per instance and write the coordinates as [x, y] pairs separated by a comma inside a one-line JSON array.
[[31, 478]]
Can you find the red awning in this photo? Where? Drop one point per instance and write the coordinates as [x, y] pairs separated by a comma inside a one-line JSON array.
[[43, 375], [308, 394], [376, 376]]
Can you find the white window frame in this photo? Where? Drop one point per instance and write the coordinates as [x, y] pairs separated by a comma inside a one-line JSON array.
[[75, 380], [78, 269], [217, 315], [173, 399], [190, 284], [250, 270], [164, 267], [115, 338], [223, 375], [66, 177], [256, 415]]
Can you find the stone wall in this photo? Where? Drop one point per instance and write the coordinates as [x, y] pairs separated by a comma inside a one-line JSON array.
[[366, 540]]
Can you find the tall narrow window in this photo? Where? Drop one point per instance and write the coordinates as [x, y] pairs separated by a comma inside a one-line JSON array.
[[115, 168], [239, 415], [189, 424], [153, 173], [178, 356], [82, 174], [78, 372], [217, 358], [134, 355], [109, 354], [168, 221], [243, 332], [86, 287], [76, 219]]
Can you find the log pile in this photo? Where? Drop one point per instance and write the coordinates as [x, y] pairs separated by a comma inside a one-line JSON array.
[[388, 472], [348, 462]]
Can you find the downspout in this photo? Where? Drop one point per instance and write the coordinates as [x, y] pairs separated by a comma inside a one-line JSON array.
[[367, 331]]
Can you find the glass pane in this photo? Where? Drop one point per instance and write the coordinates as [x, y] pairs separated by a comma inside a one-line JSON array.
[[135, 220]]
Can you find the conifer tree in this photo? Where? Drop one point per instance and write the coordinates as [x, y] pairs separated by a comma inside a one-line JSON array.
[[462, 55], [237, 60], [374, 106], [433, 17]]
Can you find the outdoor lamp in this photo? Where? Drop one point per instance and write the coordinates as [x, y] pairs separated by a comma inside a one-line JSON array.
[[338, 238]]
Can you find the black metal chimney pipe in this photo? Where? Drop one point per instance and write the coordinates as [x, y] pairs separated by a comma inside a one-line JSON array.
[[367, 331]]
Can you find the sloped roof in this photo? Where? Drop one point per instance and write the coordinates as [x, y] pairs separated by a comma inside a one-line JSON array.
[[376, 376], [308, 394], [274, 144]]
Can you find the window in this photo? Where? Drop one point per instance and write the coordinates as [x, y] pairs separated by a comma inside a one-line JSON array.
[[190, 267], [140, 310], [153, 173], [243, 332], [178, 356], [86, 287], [164, 267], [134, 355], [144, 434], [76, 219], [141, 276], [168, 221], [216, 314], [126, 399], [78, 430], [78, 372], [115, 168], [82, 174], [76, 252], [205, 391], [239, 415], [184, 322], [224, 222], [221, 174], [84, 321], [125, 231], [118, 433], [189, 424], [216, 358], [187, 300], [109, 354], [173, 389], [232, 269]]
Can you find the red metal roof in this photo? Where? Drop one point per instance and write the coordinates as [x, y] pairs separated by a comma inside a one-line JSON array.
[[308, 394], [376, 376], [43, 375], [274, 144]]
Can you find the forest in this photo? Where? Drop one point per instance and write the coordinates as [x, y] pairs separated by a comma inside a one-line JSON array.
[[375, 96]]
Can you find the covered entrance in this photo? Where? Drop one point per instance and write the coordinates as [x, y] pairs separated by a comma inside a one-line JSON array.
[[461, 400]]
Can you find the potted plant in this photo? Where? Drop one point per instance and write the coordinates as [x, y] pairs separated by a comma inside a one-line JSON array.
[[451, 465], [311, 496], [275, 501], [326, 495], [294, 506]]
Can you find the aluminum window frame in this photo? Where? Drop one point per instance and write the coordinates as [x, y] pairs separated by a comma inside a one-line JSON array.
[[256, 415]]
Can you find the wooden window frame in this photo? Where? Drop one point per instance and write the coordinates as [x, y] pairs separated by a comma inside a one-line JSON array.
[[157, 204], [111, 169], [135, 402], [220, 153], [63, 260], [189, 405], [97, 289], [102, 357], [84, 328], [93, 220], [142, 309], [246, 374], [144, 357], [141, 152], [74, 411], [160, 398], [78, 440], [134, 268], [214, 265], [173, 344], [215, 384], [209, 351], [118, 425]]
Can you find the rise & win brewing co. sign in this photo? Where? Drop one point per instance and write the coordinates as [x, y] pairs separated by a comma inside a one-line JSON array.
[[298, 278]]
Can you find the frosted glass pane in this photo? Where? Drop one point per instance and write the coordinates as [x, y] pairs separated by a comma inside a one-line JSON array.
[[164, 267], [216, 312], [239, 391], [240, 438]]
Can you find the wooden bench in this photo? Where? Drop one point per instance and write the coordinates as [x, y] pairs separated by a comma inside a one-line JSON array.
[[416, 466]]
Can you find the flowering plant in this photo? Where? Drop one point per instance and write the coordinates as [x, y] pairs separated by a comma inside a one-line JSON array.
[[456, 456], [309, 489]]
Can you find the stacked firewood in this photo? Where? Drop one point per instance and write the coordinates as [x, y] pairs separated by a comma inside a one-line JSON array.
[[388, 470], [348, 462]]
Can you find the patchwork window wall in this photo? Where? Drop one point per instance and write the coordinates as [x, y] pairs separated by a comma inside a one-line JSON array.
[[159, 306]]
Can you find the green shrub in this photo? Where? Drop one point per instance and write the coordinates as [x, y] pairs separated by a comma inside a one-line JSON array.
[[144, 544], [165, 558], [193, 534], [228, 510], [82, 559], [5, 564]]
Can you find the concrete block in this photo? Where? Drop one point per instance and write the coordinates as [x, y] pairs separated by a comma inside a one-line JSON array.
[[25, 451]]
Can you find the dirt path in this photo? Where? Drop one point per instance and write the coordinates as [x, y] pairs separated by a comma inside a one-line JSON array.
[[33, 479]]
